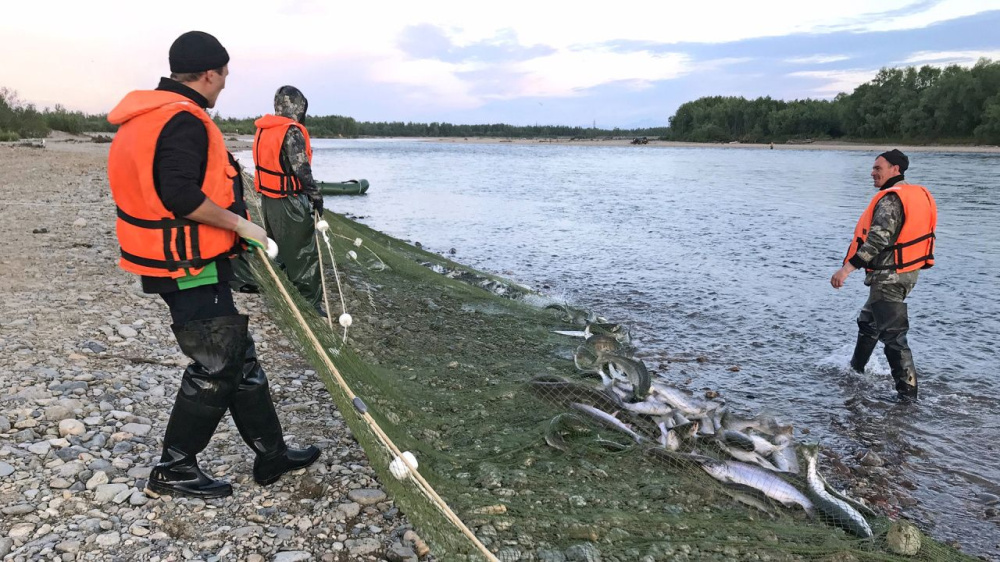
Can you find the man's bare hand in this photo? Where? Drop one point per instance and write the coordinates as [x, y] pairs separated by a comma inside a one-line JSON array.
[[837, 281]]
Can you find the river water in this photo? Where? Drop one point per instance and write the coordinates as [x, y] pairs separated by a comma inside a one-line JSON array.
[[726, 254]]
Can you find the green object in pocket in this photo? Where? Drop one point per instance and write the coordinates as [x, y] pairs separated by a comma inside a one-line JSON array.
[[209, 275]]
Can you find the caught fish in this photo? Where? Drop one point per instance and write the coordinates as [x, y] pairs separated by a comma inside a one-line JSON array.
[[619, 332], [689, 405], [736, 439], [604, 344], [750, 457], [649, 407], [833, 510], [559, 424], [632, 371], [668, 437], [749, 500], [765, 482], [785, 457], [864, 509], [607, 420]]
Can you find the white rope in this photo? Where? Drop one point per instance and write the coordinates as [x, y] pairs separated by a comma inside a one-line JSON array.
[[322, 277], [336, 274], [422, 485]]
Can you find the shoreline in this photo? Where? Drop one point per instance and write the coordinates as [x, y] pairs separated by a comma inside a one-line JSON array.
[[828, 145], [237, 143]]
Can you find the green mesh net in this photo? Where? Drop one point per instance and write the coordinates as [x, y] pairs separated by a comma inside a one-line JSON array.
[[559, 446]]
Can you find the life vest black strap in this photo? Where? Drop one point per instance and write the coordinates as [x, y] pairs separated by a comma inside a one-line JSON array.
[[290, 185], [169, 265], [897, 250], [168, 228], [158, 224]]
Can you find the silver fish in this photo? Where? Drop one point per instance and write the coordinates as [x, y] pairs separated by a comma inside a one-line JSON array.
[[785, 457], [752, 457], [607, 419], [769, 484], [649, 407], [689, 405], [832, 509]]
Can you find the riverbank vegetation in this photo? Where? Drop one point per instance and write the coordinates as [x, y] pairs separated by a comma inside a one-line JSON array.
[[954, 105], [926, 105]]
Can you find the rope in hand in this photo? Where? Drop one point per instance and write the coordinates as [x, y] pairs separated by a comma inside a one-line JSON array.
[[362, 410]]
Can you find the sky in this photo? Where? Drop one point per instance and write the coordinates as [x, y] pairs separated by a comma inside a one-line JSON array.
[[544, 62]]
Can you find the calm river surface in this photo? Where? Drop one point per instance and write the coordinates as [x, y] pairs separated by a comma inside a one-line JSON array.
[[727, 254]]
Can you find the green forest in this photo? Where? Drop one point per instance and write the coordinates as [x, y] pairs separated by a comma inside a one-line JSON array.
[[925, 105], [951, 105]]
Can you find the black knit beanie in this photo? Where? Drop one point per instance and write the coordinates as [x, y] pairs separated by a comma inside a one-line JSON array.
[[896, 158], [197, 51]]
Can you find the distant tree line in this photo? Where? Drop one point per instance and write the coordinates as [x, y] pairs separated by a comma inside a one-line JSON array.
[[22, 120], [950, 105], [336, 126], [928, 104]]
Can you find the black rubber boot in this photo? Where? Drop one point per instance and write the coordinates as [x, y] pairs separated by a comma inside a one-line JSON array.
[[253, 412], [893, 324], [862, 352], [216, 346]]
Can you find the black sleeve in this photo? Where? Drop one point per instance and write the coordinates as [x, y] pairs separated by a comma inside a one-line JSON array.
[[179, 163]]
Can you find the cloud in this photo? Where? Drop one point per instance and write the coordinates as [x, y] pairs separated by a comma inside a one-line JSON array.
[[833, 82], [818, 59], [945, 58], [427, 41]]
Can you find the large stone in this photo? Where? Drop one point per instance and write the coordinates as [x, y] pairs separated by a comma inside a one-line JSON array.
[[366, 496], [6, 470], [98, 479], [107, 492], [21, 531], [139, 429], [69, 427], [108, 539], [349, 509], [903, 538], [127, 331]]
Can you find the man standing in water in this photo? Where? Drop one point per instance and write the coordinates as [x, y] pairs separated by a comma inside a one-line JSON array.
[[893, 241], [282, 154], [181, 215]]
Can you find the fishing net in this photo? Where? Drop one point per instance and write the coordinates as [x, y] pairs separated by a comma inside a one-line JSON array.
[[556, 446]]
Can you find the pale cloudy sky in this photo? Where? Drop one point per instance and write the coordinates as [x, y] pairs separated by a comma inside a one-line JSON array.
[[625, 64]]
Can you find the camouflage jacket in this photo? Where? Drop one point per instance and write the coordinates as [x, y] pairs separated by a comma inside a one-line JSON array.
[[887, 221], [294, 158]]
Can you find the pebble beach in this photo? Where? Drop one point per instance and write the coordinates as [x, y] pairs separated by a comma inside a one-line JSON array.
[[88, 373]]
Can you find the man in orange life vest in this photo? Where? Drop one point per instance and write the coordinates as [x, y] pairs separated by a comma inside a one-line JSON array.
[[181, 215], [893, 241], [282, 154]]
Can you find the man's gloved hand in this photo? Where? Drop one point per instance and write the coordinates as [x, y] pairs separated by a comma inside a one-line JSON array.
[[252, 233], [316, 199]]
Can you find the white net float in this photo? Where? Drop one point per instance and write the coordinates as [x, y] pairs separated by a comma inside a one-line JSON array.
[[399, 469], [345, 320]]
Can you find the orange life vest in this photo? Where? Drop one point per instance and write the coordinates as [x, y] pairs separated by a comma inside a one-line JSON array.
[[153, 241], [271, 179], [914, 247]]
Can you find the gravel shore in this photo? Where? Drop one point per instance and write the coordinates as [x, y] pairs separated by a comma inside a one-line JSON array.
[[88, 373]]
